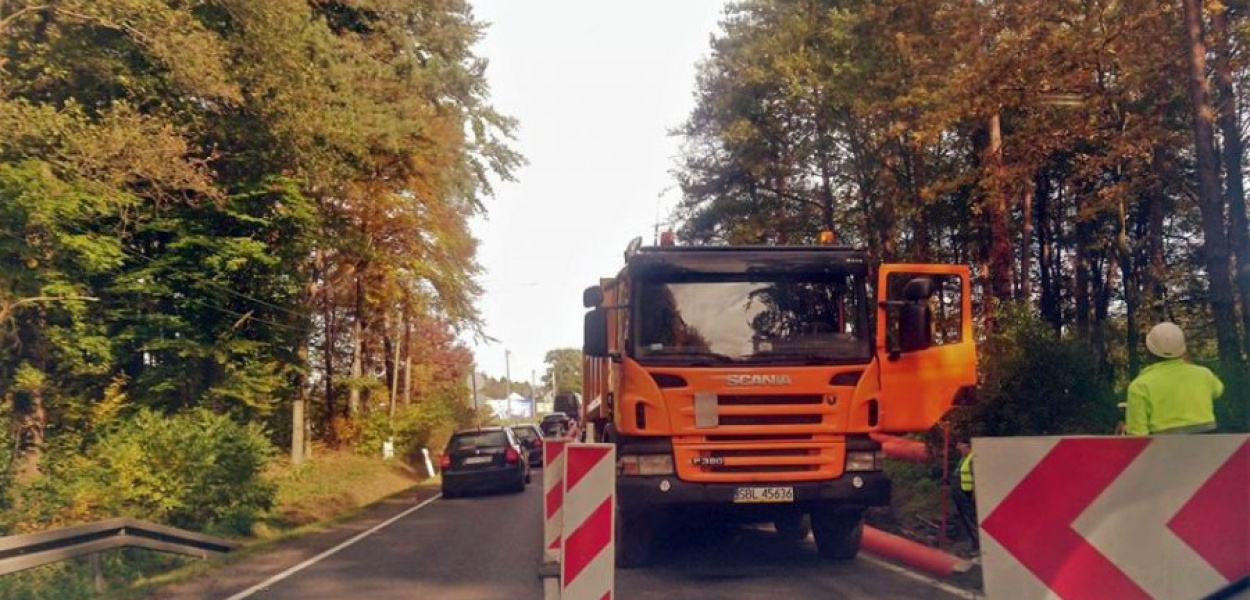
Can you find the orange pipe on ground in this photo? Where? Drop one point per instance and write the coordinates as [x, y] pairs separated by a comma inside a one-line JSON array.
[[913, 554], [900, 448]]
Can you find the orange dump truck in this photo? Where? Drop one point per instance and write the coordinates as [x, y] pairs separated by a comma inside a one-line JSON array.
[[743, 382]]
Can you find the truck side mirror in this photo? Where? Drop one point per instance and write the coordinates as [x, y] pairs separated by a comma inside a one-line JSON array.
[[595, 333], [913, 327], [592, 296]]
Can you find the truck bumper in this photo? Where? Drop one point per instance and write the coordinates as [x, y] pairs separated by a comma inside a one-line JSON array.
[[851, 491]]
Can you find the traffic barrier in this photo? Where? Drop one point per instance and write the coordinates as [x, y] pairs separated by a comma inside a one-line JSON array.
[[900, 448], [553, 498], [913, 554], [587, 569], [1130, 518]]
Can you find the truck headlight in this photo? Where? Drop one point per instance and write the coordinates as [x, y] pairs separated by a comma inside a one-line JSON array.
[[645, 464], [864, 460]]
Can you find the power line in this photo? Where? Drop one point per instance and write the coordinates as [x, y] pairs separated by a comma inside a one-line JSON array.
[[209, 282], [202, 302]]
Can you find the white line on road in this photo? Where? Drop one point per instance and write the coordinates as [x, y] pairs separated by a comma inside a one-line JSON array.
[[910, 574], [304, 565]]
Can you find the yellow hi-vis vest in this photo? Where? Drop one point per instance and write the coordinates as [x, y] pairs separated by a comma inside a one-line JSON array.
[[965, 473]]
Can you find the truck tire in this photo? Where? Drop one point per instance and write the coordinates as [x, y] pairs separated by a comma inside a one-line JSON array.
[[793, 527], [838, 533], [634, 534]]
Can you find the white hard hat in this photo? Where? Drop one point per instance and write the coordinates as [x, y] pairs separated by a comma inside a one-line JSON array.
[[1166, 340]]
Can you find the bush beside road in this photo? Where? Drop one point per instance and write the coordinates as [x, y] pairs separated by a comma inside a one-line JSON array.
[[332, 486]]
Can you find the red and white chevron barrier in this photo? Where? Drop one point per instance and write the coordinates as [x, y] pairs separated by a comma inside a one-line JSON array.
[[1130, 518], [587, 569], [553, 497]]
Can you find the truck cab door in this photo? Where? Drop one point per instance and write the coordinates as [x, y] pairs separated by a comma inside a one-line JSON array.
[[925, 349]]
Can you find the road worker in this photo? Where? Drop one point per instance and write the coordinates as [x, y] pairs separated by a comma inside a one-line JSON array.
[[1171, 395], [965, 502]]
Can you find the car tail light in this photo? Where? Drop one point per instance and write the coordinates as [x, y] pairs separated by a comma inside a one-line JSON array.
[[444, 461], [511, 455]]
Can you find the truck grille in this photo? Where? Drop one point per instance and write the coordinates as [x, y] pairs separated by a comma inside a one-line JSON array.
[[762, 437], [796, 399], [769, 419]]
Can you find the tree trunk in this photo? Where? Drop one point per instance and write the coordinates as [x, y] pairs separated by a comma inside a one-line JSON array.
[[1152, 285], [327, 347], [1026, 246], [407, 359], [1102, 303], [1132, 292], [1000, 258], [1234, 191], [1048, 301], [359, 328], [1082, 275], [1210, 201], [30, 419]]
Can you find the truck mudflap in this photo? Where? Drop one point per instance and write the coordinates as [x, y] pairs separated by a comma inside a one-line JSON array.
[[852, 490]]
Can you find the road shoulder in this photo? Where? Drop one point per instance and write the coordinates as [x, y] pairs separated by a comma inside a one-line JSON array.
[[234, 573]]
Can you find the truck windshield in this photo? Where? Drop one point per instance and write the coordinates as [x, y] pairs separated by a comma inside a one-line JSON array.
[[787, 319]]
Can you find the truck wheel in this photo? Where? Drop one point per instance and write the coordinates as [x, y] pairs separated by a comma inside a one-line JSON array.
[[793, 527], [838, 533], [633, 539]]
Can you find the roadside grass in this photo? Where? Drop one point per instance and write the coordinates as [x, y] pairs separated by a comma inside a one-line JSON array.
[[331, 488], [328, 485], [915, 510]]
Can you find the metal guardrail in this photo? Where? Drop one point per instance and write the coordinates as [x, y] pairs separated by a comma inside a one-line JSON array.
[[21, 552]]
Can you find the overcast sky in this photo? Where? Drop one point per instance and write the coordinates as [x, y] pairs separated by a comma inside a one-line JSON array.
[[596, 87]]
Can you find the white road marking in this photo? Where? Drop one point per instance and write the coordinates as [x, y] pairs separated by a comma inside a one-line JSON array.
[[249, 592], [925, 579]]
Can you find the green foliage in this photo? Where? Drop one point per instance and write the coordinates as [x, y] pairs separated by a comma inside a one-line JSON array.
[[1035, 383], [564, 370], [425, 424], [196, 469]]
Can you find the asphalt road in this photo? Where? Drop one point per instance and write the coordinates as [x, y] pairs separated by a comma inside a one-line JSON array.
[[488, 548]]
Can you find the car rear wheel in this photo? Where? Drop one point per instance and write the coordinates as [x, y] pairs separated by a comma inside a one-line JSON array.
[[838, 533]]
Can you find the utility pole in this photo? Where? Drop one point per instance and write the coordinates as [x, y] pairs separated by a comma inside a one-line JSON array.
[[477, 418], [507, 379]]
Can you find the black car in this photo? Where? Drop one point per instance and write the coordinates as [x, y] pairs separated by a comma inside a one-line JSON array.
[[555, 425], [532, 439], [488, 458]]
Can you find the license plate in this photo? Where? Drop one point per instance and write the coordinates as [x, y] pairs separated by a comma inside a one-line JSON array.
[[756, 495], [477, 460]]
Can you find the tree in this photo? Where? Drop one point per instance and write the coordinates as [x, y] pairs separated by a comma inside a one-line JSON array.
[[224, 177], [1045, 144], [564, 370]]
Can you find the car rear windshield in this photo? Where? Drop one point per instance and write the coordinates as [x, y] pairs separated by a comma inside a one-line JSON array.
[[553, 428], [481, 439], [525, 433]]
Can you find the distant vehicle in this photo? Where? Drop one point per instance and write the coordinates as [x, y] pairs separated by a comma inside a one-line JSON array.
[[555, 416], [488, 458], [532, 439], [568, 403], [555, 428]]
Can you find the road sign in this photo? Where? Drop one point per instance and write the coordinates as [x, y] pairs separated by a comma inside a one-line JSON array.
[[553, 498], [587, 570], [1113, 518]]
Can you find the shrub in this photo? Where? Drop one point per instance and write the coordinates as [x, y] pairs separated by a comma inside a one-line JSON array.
[[197, 470], [426, 423], [1036, 383]]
